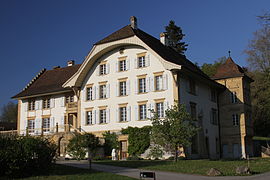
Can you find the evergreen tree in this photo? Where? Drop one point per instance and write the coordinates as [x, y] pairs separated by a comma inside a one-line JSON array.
[[175, 36]]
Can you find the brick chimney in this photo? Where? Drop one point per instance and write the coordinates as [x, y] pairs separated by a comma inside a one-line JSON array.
[[164, 38], [133, 22], [70, 63]]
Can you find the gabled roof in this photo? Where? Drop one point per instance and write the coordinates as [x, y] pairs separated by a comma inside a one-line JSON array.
[[50, 81], [166, 52], [229, 70]]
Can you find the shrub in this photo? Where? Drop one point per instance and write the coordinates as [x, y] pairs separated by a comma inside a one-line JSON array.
[[25, 156], [111, 142], [156, 152]]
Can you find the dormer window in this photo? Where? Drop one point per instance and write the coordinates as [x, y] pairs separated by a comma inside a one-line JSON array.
[[102, 69]]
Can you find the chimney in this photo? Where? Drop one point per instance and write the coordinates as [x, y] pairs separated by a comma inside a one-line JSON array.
[[164, 38], [133, 22], [70, 63]]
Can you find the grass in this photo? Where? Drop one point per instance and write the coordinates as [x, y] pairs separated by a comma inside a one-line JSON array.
[[227, 167], [59, 172]]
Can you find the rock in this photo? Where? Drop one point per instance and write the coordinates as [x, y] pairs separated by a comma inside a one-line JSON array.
[[241, 170], [213, 172]]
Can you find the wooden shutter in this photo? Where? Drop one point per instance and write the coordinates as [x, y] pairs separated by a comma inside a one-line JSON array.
[[135, 63], [107, 68], [136, 113], [165, 81], [116, 115], [107, 90], [147, 60], [107, 115], [129, 113], [52, 101], [128, 87], [52, 126], [116, 66]]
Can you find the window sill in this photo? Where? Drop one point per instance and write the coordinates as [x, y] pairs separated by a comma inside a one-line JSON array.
[[142, 67], [46, 108], [103, 98], [122, 95], [122, 71], [159, 90], [123, 121], [143, 93]]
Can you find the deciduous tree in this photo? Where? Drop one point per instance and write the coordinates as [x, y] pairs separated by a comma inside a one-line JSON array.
[[9, 112]]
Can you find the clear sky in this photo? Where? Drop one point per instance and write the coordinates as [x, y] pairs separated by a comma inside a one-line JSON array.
[[36, 34]]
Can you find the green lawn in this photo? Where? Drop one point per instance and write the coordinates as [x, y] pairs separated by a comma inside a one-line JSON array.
[[195, 166], [59, 172]]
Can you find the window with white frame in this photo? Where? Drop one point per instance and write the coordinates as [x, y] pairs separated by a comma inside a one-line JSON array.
[[233, 97], [160, 109], [142, 85], [102, 69], [142, 112], [102, 116], [89, 118], [89, 93], [122, 88], [122, 65], [69, 98], [123, 114], [214, 116], [141, 62], [46, 124], [31, 125], [235, 119], [158, 82], [31, 104], [102, 91], [46, 103]]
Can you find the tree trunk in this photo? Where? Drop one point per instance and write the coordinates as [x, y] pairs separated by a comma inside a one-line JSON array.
[[176, 154]]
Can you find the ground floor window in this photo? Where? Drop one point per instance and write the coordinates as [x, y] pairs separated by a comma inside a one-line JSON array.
[[31, 125], [160, 109], [89, 118], [46, 124], [102, 116]]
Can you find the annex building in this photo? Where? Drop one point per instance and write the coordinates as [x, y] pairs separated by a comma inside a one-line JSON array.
[[126, 74]]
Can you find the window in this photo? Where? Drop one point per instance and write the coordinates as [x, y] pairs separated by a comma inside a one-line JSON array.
[[102, 91], [193, 111], [160, 109], [89, 118], [69, 98], [141, 62], [233, 97], [31, 125], [142, 85], [123, 88], [192, 86], [123, 114], [31, 105], [89, 93], [235, 118], [142, 112], [214, 118], [46, 103], [102, 116], [122, 65], [102, 69], [213, 95], [46, 124], [158, 83]]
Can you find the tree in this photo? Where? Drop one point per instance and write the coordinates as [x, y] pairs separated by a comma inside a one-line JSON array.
[[175, 130], [211, 69], [82, 143], [175, 36], [111, 142], [9, 112]]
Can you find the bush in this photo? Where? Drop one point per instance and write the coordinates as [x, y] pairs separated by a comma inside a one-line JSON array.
[[111, 142], [25, 156]]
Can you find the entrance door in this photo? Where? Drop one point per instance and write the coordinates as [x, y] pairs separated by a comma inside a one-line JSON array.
[[123, 148], [70, 119]]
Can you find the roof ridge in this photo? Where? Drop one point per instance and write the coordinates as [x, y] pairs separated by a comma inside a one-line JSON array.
[[34, 79]]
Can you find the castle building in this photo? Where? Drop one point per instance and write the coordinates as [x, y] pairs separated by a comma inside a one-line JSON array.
[[126, 74]]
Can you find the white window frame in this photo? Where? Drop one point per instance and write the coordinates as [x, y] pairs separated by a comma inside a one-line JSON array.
[[141, 62], [89, 118], [234, 97], [142, 112], [102, 91], [46, 103], [102, 69], [31, 125], [160, 109], [31, 104], [122, 65], [142, 85], [89, 93], [122, 88], [46, 124], [159, 83], [123, 114], [102, 116]]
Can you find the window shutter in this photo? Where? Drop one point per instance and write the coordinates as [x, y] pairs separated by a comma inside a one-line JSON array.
[[94, 116], [97, 92], [62, 120], [129, 113], [94, 92], [84, 94], [165, 81], [116, 89], [25, 124], [166, 106], [147, 84], [116, 115], [147, 60], [107, 90], [136, 113], [152, 84], [62, 101], [152, 108], [136, 86], [107, 68], [97, 117], [128, 87], [25, 106], [98, 70], [135, 63], [107, 115], [116, 66], [36, 105], [36, 126], [52, 102], [84, 118], [52, 124], [128, 64]]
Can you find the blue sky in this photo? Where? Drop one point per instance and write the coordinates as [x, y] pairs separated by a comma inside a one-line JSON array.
[[37, 34]]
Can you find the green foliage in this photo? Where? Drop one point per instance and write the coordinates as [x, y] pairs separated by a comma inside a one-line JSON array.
[[175, 36], [111, 142], [81, 143], [138, 139], [9, 112], [156, 152], [211, 69], [175, 130], [24, 156]]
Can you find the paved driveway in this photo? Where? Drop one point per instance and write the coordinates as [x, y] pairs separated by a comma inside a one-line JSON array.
[[160, 175]]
